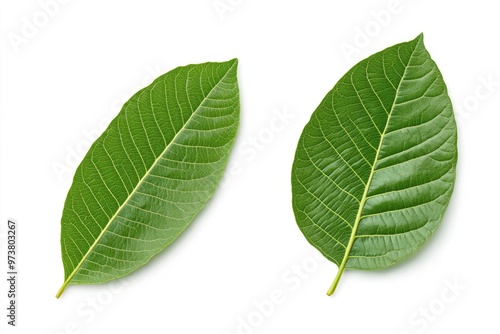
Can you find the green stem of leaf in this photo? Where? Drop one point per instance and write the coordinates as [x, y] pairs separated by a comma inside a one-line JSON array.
[[61, 290], [336, 280]]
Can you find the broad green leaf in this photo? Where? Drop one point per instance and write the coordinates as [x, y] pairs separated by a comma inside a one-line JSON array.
[[375, 166], [149, 174]]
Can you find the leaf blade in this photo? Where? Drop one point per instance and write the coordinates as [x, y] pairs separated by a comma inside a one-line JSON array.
[[389, 110], [143, 185]]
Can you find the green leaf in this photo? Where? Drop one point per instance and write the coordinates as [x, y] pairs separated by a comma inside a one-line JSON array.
[[375, 166], [150, 173]]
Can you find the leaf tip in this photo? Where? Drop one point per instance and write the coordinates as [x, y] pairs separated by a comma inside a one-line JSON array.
[[419, 38], [232, 66], [233, 62]]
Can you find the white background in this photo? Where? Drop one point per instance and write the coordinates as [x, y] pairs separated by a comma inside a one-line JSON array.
[[84, 61]]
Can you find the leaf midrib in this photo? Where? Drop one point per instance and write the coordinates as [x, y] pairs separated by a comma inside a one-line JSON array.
[[105, 229], [352, 238]]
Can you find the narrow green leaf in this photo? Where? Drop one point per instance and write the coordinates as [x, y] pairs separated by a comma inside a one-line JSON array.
[[375, 166], [150, 173]]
